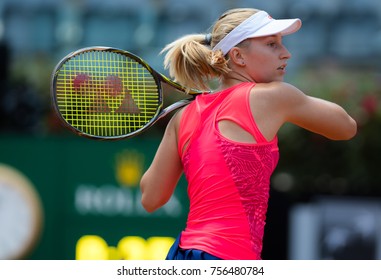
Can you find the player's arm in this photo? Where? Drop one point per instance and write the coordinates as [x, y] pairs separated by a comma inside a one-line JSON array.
[[159, 181], [314, 114]]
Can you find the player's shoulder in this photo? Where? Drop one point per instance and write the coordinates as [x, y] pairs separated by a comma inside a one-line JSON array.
[[271, 86], [272, 89]]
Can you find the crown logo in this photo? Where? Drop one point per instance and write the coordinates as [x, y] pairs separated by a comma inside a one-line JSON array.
[[129, 168]]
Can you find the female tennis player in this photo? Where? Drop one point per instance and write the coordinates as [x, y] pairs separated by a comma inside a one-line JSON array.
[[225, 142]]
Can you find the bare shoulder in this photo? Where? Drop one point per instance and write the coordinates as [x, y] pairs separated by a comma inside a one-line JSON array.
[[276, 95], [267, 102], [274, 88]]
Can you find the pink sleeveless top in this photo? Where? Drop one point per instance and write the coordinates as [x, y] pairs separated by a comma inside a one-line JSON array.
[[228, 181]]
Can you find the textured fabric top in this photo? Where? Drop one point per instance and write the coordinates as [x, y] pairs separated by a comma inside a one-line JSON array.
[[228, 181]]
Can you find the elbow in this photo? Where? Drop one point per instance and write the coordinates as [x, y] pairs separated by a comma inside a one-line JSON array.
[[348, 132], [155, 192], [147, 205], [148, 201], [351, 131], [145, 201], [153, 202]]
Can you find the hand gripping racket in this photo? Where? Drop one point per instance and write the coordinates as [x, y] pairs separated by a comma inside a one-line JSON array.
[[108, 94]]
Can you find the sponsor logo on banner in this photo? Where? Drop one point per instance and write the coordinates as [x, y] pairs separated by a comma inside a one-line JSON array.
[[123, 197]]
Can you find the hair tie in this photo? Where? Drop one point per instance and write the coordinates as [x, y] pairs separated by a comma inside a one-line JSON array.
[[208, 38]]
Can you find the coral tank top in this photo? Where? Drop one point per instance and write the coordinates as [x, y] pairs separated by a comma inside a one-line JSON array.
[[228, 181]]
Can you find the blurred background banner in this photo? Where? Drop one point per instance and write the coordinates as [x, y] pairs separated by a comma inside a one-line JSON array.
[[325, 196], [90, 188]]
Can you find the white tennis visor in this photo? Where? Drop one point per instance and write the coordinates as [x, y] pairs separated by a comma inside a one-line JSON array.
[[258, 25]]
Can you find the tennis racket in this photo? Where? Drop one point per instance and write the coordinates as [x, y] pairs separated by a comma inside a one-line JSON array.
[[108, 94]]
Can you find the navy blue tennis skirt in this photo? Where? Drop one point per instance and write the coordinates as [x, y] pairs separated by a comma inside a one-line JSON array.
[[176, 253]]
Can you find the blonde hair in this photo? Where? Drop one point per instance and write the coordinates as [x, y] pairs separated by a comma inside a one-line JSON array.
[[190, 59]]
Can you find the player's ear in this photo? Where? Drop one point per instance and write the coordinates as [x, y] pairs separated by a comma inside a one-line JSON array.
[[235, 56]]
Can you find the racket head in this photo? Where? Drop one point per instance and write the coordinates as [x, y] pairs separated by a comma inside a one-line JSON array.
[[106, 93]]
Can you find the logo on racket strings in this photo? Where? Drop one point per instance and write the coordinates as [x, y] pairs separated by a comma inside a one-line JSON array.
[[106, 96]]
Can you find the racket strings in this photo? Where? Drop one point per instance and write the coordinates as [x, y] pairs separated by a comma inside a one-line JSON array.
[[106, 94]]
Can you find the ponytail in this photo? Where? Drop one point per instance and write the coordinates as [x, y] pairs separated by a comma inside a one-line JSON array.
[[192, 63], [190, 59]]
